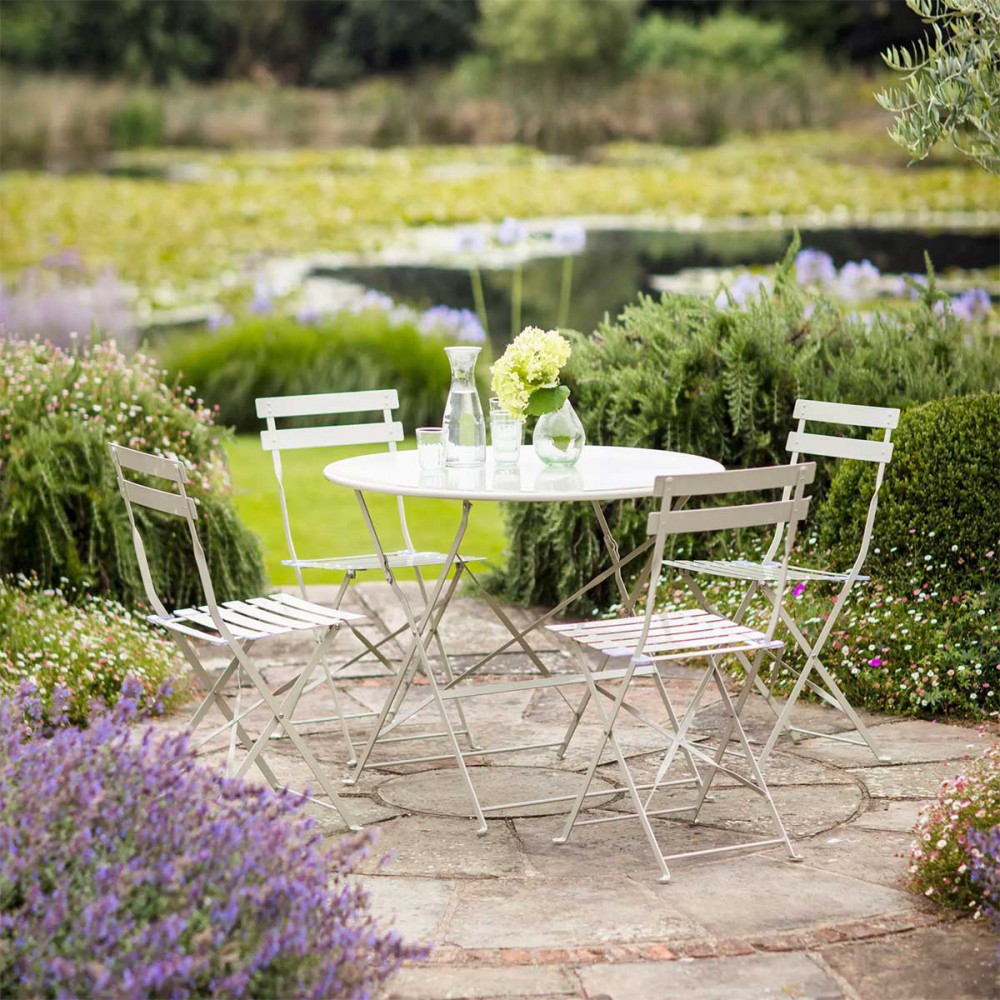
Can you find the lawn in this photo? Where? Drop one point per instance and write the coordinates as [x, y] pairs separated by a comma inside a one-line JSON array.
[[326, 520]]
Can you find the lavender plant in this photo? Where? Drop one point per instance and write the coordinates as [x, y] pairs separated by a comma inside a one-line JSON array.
[[129, 871], [984, 870]]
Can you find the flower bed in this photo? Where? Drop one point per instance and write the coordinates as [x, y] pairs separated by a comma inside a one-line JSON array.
[[129, 871], [88, 649], [954, 855]]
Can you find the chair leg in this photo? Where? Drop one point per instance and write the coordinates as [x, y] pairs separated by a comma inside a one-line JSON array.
[[608, 736], [571, 729]]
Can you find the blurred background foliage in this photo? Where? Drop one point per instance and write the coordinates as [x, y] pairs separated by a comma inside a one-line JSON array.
[[82, 78]]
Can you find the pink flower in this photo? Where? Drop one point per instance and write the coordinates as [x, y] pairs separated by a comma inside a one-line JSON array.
[[875, 662], [799, 589]]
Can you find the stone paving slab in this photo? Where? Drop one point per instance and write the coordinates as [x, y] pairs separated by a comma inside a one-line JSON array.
[[756, 896], [906, 781], [910, 741], [431, 983], [848, 850], [891, 816], [562, 913], [955, 962], [751, 977]]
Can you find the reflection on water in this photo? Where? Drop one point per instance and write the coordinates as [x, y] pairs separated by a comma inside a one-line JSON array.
[[618, 264]]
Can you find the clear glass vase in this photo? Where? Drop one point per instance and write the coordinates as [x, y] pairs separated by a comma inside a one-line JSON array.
[[559, 437], [463, 424]]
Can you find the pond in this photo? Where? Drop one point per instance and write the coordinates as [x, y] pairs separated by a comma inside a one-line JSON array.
[[617, 264]]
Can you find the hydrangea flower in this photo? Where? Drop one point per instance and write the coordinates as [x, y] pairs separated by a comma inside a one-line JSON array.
[[532, 361]]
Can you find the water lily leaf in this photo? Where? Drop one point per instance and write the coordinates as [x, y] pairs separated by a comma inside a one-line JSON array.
[[547, 400]]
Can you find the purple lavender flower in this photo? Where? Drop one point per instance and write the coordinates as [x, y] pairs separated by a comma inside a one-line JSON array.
[[170, 879], [858, 281], [511, 231], [984, 869], [814, 267], [569, 237]]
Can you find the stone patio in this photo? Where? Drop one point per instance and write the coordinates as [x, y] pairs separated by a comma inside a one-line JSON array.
[[513, 915]]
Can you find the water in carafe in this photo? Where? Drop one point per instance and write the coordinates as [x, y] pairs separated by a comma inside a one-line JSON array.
[[463, 422]]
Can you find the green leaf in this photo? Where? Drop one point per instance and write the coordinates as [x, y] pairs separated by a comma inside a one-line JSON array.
[[547, 400]]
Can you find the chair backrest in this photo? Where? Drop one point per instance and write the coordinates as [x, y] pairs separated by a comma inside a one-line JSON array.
[[801, 442], [275, 439], [784, 514], [169, 496]]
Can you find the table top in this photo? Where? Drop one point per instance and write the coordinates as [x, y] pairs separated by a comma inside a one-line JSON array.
[[601, 474]]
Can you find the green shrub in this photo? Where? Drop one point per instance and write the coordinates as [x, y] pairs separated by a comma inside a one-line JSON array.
[[942, 860], [684, 374], [139, 121], [275, 356], [61, 515], [88, 649], [931, 650], [939, 506]]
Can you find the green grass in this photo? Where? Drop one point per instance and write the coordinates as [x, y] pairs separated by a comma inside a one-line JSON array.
[[326, 520]]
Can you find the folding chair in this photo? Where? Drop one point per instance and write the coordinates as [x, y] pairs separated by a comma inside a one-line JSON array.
[[233, 624], [761, 576], [386, 431], [657, 637]]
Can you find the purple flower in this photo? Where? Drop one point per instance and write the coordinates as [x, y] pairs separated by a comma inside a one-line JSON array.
[[875, 661], [470, 240], [984, 869], [972, 305], [307, 315], [858, 281], [569, 237], [903, 287], [742, 290], [799, 589], [814, 267], [511, 231], [262, 302], [171, 880], [460, 324], [218, 320]]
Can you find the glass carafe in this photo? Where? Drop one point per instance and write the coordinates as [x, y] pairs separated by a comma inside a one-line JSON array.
[[463, 423]]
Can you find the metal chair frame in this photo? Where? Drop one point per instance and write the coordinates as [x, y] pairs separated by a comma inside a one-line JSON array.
[[652, 638], [233, 624], [760, 576], [386, 431]]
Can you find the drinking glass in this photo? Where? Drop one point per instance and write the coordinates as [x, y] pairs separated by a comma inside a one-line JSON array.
[[430, 448], [505, 435]]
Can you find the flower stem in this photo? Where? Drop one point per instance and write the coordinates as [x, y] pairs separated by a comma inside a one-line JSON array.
[[515, 302], [479, 298], [565, 291]]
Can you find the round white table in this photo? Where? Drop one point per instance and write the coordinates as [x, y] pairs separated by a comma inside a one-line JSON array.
[[602, 475]]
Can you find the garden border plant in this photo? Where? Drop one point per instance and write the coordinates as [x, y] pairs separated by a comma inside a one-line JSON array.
[[129, 870], [61, 516]]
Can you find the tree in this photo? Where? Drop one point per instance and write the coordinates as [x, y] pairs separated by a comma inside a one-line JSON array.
[[951, 84]]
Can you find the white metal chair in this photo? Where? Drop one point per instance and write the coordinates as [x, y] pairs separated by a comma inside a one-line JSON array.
[[385, 430], [233, 624], [761, 576], [655, 637]]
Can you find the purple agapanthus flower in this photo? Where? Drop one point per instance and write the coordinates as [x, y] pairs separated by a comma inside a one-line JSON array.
[[307, 315], [569, 237], [262, 302], [742, 290], [971, 306], [858, 280], [814, 267], [470, 239], [460, 324], [511, 231], [903, 287]]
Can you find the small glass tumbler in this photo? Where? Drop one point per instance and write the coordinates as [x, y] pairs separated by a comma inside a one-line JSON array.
[[505, 434], [430, 448]]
